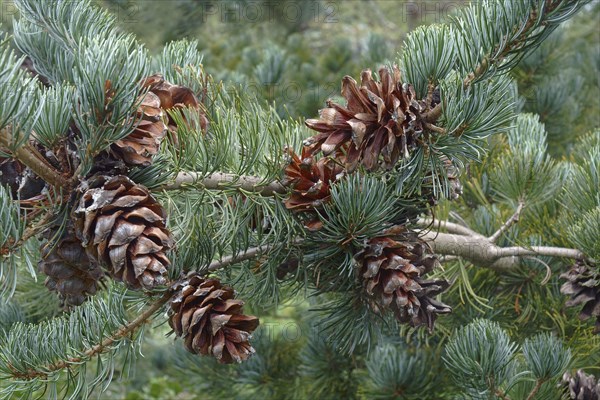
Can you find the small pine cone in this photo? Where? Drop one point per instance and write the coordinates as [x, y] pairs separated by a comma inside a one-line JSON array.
[[123, 227], [23, 183], [380, 123], [582, 386], [310, 181], [455, 188], [583, 285], [393, 269], [453, 174], [174, 96], [206, 315], [140, 145], [69, 270]]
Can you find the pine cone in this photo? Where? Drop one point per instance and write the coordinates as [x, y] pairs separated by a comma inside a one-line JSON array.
[[393, 269], [209, 319], [453, 174], [583, 285], [455, 188], [23, 183], [310, 180], [69, 270], [174, 96], [582, 386], [380, 123], [123, 227], [143, 143], [153, 122]]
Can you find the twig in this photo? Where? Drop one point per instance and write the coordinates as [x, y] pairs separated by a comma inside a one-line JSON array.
[[483, 253], [229, 260], [501, 394], [221, 180], [451, 227], [486, 61], [99, 348], [435, 128], [511, 221], [246, 255], [536, 388], [432, 115], [29, 156]]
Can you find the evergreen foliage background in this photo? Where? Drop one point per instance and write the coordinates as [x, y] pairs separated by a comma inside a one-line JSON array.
[[296, 63]]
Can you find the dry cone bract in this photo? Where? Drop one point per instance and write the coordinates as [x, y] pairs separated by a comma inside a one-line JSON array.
[[206, 315], [123, 227], [174, 96]]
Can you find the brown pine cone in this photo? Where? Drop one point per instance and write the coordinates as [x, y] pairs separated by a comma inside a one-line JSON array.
[[583, 285], [143, 143], [310, 180], [23, 183], [380, 123], [206, 315], [394, 270], [455, 188], [123, 228], [153, 121], [69, 270], [174, 96], [581, 386]]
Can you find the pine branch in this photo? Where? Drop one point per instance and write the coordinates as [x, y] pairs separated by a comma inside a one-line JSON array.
[[501, 394], [448, 226], [536, 388], [510, 222], [523, 33], [29, 156], [249, 254], [484, 253], [246, 255], [221, 180], [101, 347]]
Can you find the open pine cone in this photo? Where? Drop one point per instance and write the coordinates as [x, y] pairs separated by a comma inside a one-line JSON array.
[[153, 121], [123, 228], [69, 270], [174, 96], [206, 315], [394, 270], [310, 180], [581, 386], [380, 123], [583, 285], [143, 143]]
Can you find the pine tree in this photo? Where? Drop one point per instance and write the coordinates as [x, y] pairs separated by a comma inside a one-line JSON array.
[[139, 195]]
